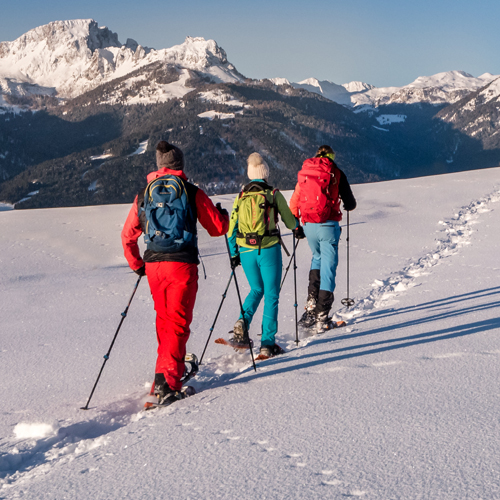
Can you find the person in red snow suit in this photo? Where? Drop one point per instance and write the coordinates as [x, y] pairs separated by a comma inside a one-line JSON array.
[[173, 276], [316, 200]]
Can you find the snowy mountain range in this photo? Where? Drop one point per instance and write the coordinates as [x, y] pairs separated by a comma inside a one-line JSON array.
[[68, 58], [65, 59], [88, 83]]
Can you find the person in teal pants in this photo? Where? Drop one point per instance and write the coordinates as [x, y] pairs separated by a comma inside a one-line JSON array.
[[254, 242]]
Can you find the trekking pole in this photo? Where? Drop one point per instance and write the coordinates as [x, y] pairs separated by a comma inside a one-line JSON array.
[[241, 305], [289, 264], [347, 301], [217, 315], [295, 286], [106, 356]]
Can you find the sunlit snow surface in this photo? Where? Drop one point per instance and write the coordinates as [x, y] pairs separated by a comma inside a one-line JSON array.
[[402, 403]]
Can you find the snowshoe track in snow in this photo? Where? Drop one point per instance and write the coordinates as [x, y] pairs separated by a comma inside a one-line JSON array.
[[457, 233]]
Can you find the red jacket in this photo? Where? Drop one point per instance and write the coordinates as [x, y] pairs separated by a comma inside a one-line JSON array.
[[210, 218]]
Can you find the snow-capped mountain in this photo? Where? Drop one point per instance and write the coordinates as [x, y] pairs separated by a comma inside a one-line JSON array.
[[68, 58], [442, 88], [477, 115], [330, 90]]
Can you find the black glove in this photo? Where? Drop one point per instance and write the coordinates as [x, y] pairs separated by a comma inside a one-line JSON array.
[[223, 211], [141, 271], [235, 262], [299, 233]]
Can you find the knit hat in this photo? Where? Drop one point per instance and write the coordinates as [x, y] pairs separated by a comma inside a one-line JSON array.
[[257, 167], [169, 156]]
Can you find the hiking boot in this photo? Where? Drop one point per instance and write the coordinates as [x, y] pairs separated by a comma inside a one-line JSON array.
[[161, 387], [239, 332], [271, 350], [322, 322], [309, 317], [173, 396]]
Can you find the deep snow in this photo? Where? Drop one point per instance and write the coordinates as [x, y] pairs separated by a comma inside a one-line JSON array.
[[401, 404]]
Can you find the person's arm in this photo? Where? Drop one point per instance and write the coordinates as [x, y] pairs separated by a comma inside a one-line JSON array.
[[210, 218], [291, 222], [233, 230], [295, 202], [130, 234], [346, 193]]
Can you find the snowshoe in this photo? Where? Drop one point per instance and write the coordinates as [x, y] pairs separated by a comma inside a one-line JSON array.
[[236, 343], [167, 396], [323, 325], [269, 351], [308, 319], [171, 397]]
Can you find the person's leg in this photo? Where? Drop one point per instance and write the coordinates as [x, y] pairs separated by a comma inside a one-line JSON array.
[[173, 286], [254, 278], [270, 264], [329, 238], [313, 240]]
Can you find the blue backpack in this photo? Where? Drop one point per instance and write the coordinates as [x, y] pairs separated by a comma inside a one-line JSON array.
[[170, 225]]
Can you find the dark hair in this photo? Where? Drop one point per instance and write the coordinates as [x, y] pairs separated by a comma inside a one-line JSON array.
[[164, 147], [324, 150]]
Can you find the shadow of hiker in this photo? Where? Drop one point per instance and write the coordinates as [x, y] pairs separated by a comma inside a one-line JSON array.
[[371, 348]]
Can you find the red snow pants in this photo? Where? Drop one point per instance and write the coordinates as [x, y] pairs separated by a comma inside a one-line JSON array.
[[173, 287]]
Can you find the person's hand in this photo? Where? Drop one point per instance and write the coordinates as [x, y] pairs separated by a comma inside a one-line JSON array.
[[221, 210], [235, 262], [299, 233], [141, 271]]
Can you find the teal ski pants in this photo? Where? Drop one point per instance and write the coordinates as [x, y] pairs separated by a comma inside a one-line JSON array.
[[263, 273]]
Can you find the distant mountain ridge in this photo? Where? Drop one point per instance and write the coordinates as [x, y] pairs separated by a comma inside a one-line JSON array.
[[65, 59], [98, 102]]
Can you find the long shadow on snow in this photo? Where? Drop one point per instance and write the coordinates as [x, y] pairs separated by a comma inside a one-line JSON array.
[[384, 313], [373, 347]]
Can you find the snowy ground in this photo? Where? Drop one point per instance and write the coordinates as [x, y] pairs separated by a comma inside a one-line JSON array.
[[401, 404]]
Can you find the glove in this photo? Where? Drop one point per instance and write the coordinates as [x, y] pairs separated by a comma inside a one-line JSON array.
[[141, 271], [299, 233], [235, 262], [221, 210]]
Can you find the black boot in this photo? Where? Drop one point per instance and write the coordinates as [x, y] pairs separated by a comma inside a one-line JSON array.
[[309, 317], [325, 302], [161, 386]]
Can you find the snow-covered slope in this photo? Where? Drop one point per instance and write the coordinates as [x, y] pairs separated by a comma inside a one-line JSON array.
[[402, 403], [68, 58]]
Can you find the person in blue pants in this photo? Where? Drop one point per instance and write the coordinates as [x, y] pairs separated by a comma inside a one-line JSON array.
[[316, 200], [254, 241]]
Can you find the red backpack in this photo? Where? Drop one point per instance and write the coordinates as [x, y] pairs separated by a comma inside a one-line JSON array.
[[319, 190]]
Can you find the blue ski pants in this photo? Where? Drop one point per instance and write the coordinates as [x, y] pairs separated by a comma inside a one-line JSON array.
[[323, 240], [263, 273]]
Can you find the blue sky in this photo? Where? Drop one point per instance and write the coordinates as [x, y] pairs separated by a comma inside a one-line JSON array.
[[382, 42]]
